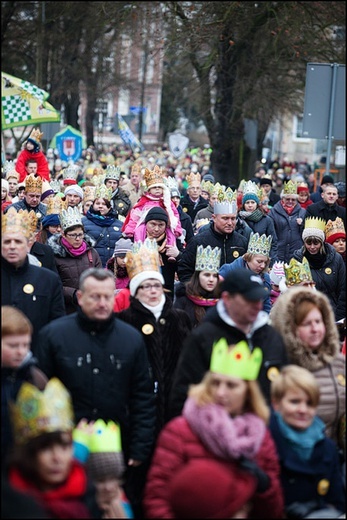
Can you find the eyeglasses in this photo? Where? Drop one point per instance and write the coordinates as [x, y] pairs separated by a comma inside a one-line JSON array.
[[290, 200], [312, 241], [149, 286], [75, 236]]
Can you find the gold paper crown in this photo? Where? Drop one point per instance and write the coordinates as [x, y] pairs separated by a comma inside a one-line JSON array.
[[201, 222], [21, 221], [36, 135], [143, 257], [315, 223], [290, 188], [259, 245], [153, 177], [112, 172], [251, 187], [105, 437], [70, 217], [103, 192], [33, 184], [208, 259], [88, 192], [334, 227], [193, 177], [54, 205], [217, 187], [136, 168], [297, 272], [237, 361], [207, 186], [36, 412], [70, 172], [226, 202]]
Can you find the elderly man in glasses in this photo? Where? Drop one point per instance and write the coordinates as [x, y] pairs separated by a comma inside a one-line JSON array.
[[32, 198]]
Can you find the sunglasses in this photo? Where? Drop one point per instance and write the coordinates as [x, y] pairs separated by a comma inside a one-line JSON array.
[[312, 241]]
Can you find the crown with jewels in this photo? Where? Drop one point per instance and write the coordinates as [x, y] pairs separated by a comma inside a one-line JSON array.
[[171, 183], [335, 228], [21, 221], [36, 412], [55, 205], [103, 192], [154, 177], [290, 188], [251, 187], [143, 257], [112, 172], [56, 186], [217, 187], [236, 361], [226, 202], [88, 192], [9, 169], [207, 186], [33, 184], [259, 244], [70, 173], [192, 178], [70, 217], [297, 272], [208, 259], [36, 135]]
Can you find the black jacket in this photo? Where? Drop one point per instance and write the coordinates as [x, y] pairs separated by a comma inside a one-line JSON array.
[[190, 207], [325, 211], [45, 255]]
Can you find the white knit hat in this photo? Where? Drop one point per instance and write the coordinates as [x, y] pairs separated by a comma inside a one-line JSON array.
[[141, 277], [74, 189]]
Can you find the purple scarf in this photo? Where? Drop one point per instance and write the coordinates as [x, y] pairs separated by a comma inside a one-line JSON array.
[[73, 250], [203, 302], [224, 436]]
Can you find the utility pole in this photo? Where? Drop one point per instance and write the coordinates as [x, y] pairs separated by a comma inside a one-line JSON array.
[[40, 40]]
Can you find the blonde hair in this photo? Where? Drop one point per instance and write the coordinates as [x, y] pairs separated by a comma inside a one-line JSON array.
[[255, 401], [293, 377]]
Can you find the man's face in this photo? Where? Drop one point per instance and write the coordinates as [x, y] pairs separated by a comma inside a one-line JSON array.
[[31, 168], [330, 195], [14, 248], [32, 199], [96, 299], [194, 191], [155, 228], [111, 183], [135, 179], [12, 186], [224, 224], [72, 199], [244, 312], [266, 188]]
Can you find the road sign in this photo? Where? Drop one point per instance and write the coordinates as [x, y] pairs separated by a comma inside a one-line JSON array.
[[137, 110]]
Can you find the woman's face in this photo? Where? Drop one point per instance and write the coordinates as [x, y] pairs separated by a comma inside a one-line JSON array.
[[289, 201], [3, 193], [75, 237], [250, 205], [14, 349], [150, 292], [54, 229], [87, 204], [208, 280], [340, 245], [100, 205], [303, 196], [120, 260], [258, 263], [312, 329], [54, 463], [296, 409], [313, 245], [229, 392]]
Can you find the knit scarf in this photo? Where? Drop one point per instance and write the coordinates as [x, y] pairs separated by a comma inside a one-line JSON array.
[[226, 437], [100, 220], [162, 247], [316, 261], [156, 309], [201, 301], [302, 441], [74, 251], [253, 216]]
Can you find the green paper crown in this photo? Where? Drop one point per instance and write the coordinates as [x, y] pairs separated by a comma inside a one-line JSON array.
[[237, 361], [105, 437]]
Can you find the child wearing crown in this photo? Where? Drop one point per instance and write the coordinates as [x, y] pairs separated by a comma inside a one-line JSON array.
[[156, 194], [33, 150]]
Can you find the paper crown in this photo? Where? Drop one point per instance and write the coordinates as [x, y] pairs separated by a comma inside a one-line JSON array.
[[88, 192], [208, 259], [103, 192], [143, 257], [105, 437], [296, 272], [217, 187], [36, 412], [153, 177], [192, 178], [70, 217], [251, 187], [241, 185], [112, 172], [9, 169], [36, 135], [277, 272], [290, 188], [314, 227], [171, 183], [259, 244], [226, 202], [236, 361], [207, 186], [136, 168], [334, 229], [54, 205], [70, 173], [33, 184], [200, 222], [56, 186], [21, 221]]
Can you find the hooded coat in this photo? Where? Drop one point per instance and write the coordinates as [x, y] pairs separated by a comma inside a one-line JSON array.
[[288, 231], [328, 365]]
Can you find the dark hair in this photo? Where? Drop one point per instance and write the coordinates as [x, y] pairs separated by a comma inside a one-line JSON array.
[[107, 201], [72, 228], [193, 288], [98, 273]]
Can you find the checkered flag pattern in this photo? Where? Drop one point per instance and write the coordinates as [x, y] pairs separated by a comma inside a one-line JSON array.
[[37, 92], [15, 109]]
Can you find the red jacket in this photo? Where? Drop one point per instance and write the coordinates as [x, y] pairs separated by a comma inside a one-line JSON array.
[[42, 164], [177, 444]]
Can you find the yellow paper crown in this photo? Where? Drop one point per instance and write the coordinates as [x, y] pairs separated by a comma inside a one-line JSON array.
[[136, 168], [259, 244], [290, 188], [21, 221], [251, 187], [193, 178], [296, 272], [70, 217], [36, 412], [153, 177], [315, 223], [334, 227], [236, 361], [208, 259], [103, 192], [143, 257], [112, 172], [54, 205], [36, 135], [217, 187], [33, 184], [105, 437], [207, 186]]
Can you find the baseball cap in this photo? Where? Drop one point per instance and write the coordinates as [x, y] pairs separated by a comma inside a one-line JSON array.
[[245, 282]]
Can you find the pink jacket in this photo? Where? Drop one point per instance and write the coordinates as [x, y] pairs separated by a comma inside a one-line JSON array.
[[42, 164]]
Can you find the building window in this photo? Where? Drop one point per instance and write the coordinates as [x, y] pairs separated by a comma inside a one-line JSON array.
[[297, 130]]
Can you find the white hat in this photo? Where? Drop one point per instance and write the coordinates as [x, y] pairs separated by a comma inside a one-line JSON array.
[[74, 189]]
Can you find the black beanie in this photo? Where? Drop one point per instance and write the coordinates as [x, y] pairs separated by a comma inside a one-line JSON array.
[[157, 214]]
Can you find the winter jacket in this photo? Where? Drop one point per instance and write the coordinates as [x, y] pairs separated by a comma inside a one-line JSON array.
[[178, 444], [40, 209], [232, 246], [71, 267], [45, 255], [241, 263], [190, 207], [105, 232], [163, 342], [330, 278], [186, 223], [328, 365], [195, 358], [120, 202], [104, 366], [288, 231], [42, 164], [36, 291], [326, 211]]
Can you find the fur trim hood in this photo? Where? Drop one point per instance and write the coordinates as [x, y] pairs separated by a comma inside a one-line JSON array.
[[282, 319], [59, 250]]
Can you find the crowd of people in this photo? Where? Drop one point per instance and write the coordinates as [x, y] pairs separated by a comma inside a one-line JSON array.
[[171, 347]]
